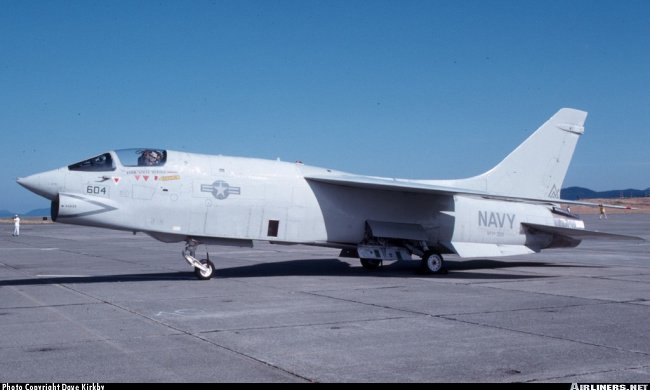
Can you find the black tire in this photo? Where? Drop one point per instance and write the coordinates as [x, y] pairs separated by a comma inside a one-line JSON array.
[[432, 263], [205, 275], [370, 263]]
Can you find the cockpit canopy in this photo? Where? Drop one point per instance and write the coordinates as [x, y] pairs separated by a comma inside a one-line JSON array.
[[127, 157], [142, 157]]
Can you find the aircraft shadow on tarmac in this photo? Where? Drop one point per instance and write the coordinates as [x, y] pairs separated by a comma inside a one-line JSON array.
[[313, 267], [336, 267]]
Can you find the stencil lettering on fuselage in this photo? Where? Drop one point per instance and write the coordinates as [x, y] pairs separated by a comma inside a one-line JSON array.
[[495, 219]]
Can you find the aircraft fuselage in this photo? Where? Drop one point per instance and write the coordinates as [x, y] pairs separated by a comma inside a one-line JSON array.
[[233, 198]]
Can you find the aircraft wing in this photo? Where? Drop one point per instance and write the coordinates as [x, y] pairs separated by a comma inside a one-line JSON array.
[[579, 234], [387, 184], [379, 183]]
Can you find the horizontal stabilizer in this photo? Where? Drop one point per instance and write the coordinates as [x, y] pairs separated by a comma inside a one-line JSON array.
[[592, 204], [474, 249], [579, 234]]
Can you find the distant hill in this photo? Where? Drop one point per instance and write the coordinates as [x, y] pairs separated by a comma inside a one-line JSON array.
[[33, 213], [39, 213], [576, 193]]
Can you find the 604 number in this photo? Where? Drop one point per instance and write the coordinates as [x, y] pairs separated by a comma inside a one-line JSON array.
[[96, 190]]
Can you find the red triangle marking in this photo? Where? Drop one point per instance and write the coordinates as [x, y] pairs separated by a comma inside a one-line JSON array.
[[145, 178], [155, 177], [116, 180], [137, 177]]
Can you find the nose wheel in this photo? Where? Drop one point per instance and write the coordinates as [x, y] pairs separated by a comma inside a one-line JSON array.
[[204, 274], [203, 269]]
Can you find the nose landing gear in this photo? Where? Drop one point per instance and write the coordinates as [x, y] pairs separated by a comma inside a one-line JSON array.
[[203, 269]]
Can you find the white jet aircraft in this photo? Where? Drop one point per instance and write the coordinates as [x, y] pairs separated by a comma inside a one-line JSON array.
[[512, 209]]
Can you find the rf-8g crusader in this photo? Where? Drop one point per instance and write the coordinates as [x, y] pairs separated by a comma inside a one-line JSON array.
[[512, 209]]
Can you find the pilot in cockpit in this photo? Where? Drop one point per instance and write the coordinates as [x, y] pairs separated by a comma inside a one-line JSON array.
[[149, 158]]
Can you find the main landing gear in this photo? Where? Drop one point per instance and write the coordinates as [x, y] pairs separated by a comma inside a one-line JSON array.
[[203, 269], [373, 254], [432, 263], [370, 263]]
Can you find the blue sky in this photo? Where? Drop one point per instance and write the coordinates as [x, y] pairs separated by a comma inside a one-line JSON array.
[[414, 89]]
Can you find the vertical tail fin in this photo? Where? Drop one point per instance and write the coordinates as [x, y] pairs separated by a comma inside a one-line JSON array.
[[537, 167]]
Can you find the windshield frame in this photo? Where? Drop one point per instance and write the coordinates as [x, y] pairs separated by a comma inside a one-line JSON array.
[[100, 163]]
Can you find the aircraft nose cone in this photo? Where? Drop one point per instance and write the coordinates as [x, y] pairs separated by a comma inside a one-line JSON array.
[[32, 183], [45, 184]]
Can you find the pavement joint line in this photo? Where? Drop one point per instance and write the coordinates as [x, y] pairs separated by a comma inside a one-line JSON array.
[[48, 306], [105, 258], [478, 283], [96, 256], [29, 249], [632, 272], [97, 335], [352, 289], [588, 373], [546, 336], [369, 304], [59, 285], [611, 278], [11, 267], [490, 311], [451, 318], [196, 336], [557, 295], [85, 341], [304, 325], [598, 302]]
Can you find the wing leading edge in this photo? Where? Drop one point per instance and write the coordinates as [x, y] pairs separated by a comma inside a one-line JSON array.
[[386, 184]]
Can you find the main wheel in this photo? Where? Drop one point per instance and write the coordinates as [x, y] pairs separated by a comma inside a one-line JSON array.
[[370, 263], [205, 275], [432, 263]]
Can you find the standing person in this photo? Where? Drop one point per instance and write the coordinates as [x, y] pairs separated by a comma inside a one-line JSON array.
[[602, 212], [16, 225]]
